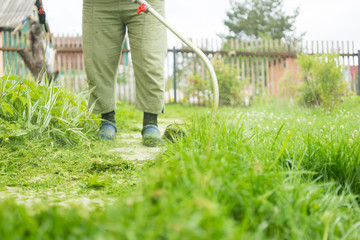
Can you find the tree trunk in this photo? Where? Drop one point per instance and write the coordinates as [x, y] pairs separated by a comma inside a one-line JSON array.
[[36, 61]]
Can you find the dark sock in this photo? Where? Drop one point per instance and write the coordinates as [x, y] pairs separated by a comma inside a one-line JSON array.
[[149, 119], [110, 117]]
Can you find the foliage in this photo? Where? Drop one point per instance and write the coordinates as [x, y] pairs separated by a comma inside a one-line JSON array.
[[322, 80], [231, 87], [287, 89], [9, 130], [122, 76], [42, 110], [230, 84], [253, 174], [198, 89], [261, 18]]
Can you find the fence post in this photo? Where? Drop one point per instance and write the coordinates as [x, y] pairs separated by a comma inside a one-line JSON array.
[[1, 56], [358, 93], [175, 72]]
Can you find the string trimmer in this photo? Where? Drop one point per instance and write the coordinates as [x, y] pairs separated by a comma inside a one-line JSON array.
[[174, 131], [145, 7]]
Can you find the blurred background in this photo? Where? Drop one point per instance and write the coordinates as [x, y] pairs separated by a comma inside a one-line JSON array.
[[262, 65]]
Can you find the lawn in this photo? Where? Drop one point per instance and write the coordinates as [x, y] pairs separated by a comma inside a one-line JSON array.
[[265, 172]]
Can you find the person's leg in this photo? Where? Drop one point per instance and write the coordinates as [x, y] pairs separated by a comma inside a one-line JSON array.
[[149, 119], [103, 35], [148, 43]]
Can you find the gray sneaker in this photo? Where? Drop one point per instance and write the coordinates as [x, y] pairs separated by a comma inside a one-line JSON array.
[[107, 131], [151, 136]]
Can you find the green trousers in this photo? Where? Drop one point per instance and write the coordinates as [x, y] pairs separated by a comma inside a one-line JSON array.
[[105, 23]]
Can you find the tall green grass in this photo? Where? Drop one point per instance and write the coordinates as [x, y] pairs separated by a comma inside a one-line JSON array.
[[254, 174], [43, 111]]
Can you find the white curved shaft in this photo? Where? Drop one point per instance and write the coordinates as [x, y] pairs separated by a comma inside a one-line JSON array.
[[193, 47]]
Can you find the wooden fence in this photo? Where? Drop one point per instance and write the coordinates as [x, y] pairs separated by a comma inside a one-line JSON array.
[[69, 62], [268, 66], [9, 59]]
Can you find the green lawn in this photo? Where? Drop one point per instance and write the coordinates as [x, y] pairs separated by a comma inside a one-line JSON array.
[[265, 172], [44, 169]]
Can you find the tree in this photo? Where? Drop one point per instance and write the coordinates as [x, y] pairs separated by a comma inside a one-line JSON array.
[[261, 18], [35, 60]]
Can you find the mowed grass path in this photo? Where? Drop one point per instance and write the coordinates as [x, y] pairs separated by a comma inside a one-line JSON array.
[[258, 173], [89, 174]]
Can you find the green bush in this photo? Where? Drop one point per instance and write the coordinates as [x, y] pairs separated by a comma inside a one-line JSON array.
[[199, 88], [322, 80], [230, 85]]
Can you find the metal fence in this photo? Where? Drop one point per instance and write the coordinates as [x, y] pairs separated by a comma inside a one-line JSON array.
[[268, 66]]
